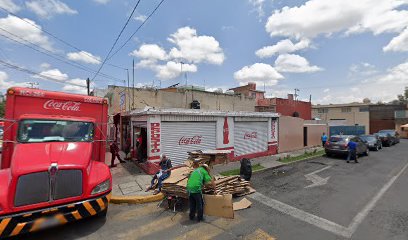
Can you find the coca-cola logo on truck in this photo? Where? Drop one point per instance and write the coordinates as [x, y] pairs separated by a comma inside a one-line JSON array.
[[190, 140], [65, 106]]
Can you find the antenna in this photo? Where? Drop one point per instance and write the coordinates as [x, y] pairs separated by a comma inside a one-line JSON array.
[[296, 95]]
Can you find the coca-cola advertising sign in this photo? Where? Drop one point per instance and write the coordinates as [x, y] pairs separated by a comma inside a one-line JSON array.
[[195, 140], [64, 106], [250, 135]]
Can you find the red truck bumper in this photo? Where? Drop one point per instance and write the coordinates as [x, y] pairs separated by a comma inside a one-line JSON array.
[[11, 225]]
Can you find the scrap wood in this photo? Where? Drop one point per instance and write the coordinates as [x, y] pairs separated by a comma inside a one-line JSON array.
[[243, 204]]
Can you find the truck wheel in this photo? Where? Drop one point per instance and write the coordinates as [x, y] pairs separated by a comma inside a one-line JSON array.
[[102, 214]]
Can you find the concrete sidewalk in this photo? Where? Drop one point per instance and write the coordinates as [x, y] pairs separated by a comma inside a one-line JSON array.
[[129, 180]]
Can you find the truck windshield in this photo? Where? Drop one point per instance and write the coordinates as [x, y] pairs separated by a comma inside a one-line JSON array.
[[54, 131]]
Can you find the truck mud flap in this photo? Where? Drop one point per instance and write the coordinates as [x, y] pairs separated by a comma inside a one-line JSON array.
[[26, 222]]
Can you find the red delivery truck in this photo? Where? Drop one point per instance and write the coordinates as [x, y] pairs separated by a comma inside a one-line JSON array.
[[53, 167]]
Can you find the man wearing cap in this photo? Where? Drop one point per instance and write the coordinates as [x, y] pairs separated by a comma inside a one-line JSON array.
[[197, 179], [163, 173]]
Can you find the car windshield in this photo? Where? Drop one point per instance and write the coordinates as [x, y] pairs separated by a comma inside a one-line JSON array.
[[391, 132], [368, 138], [382, 134], [54, 131], [337, 139]]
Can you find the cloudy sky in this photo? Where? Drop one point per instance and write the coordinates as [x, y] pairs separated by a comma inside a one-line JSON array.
[[337, 51]]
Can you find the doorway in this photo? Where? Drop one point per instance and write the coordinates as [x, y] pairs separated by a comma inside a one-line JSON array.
[[305, 136]]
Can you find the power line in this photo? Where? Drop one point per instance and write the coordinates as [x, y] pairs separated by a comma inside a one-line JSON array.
[[58, 38], [53, 55], [117, 39], [140, 26], [25, 70]]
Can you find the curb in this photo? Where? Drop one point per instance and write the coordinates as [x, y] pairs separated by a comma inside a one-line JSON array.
[[136, 199]]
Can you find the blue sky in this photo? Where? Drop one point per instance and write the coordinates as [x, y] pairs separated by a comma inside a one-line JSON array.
[[338, 51]]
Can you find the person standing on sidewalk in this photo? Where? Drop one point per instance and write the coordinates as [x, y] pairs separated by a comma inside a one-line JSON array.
[[324, 139], [114, 149], [352, 151], [195, 183]]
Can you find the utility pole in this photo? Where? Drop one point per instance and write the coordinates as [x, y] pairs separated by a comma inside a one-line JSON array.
[[128, 90], [88, 83], [133, 84], [296, 95]]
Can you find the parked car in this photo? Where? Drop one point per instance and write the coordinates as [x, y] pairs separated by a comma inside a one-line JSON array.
[[374, 142], [393, 136], [337, 145]]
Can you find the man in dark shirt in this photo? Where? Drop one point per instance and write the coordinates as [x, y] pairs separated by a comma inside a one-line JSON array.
[[163, 173], [352, 148]]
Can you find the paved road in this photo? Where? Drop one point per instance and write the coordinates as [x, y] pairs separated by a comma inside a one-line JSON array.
[[368, 200]]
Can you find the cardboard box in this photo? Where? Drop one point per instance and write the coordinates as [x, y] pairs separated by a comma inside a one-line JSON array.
[[218, 205]]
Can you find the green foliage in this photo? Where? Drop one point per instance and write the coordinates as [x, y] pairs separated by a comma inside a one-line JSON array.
[[2, 106], [305, 156]]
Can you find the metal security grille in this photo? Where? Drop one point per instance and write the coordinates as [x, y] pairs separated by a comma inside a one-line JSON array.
[[35, 187], [178, 138], [32, 188], [68, 184], [250, 137]]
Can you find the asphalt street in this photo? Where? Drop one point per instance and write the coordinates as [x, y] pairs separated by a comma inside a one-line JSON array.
[[323, 198]]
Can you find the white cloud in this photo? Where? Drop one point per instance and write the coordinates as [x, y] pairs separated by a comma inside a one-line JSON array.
[[190, 49], [398, 43], [4, 82], [53, 73], [9, 5], [45, 65], [260, 73], [141, 18], [194, 48], [76, 89], [326, 90], [172, 70], [151, 52], [362, 70], [49, 8], [258, 5], [384, 87], [284, 46], [25, 30], [101, 1], [295, 64], [316, 17], [84, 56]]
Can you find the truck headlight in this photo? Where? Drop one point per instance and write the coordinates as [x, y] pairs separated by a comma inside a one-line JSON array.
[[101, 187]]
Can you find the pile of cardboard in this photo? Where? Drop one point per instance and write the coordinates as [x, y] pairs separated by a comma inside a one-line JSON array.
[[229, 185], [209, 157], [175, 185]]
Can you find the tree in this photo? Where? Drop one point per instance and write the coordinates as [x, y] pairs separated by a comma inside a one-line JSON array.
[[366, 100], [2, 105]]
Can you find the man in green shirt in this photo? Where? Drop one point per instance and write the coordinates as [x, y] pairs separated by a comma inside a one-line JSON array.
[[195, 183]]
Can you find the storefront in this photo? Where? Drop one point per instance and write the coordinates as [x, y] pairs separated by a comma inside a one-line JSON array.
[[176, 132]]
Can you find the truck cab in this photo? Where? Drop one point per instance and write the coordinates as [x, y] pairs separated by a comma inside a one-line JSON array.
[[53, 167]]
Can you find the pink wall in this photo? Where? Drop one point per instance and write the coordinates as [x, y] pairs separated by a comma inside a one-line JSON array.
[[290, 134]]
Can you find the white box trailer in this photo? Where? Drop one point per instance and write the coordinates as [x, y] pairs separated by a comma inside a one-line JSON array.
[[175, 132]]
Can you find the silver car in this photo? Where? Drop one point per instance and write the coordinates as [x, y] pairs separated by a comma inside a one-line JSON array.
[[337, 145]]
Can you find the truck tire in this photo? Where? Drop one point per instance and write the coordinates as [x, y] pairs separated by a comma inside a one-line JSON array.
[[102, 214]]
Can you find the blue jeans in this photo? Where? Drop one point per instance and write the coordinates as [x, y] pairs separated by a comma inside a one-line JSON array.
[[160, 180], [196, 204], [352, 154]]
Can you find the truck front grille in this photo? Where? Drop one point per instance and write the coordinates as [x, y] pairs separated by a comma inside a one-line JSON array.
[[68, 184], [32, 188], [40, 187]]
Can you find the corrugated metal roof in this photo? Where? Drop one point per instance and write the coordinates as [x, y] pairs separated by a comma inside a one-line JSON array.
[[194, 112]]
